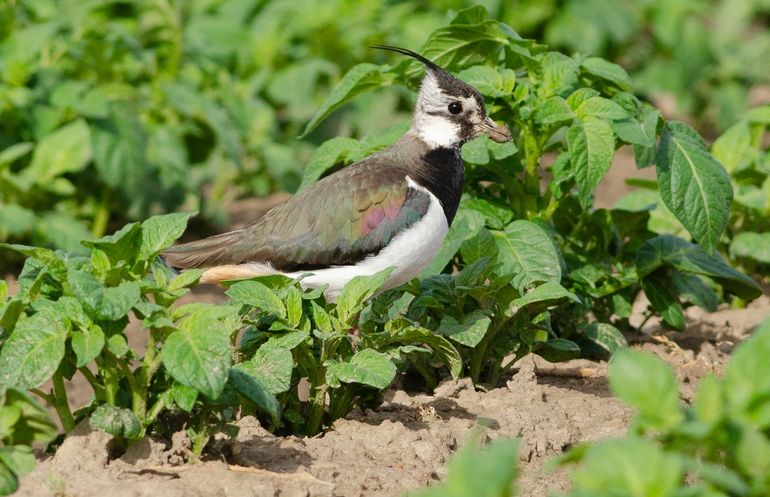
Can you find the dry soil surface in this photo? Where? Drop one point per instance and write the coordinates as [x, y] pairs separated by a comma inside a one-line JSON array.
[[407, 441]]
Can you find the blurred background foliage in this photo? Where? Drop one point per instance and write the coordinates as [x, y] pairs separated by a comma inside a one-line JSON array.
[[114, 110]]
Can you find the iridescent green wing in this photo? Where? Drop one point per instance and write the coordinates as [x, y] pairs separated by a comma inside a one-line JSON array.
[[340, 221]]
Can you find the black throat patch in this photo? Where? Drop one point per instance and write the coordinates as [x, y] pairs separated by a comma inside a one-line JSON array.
[[442, 174]]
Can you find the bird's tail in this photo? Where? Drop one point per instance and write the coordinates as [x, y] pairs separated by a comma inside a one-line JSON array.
[[212, 251]]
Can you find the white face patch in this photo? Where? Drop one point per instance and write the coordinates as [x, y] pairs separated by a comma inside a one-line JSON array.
[[432, 122], [437, 131]]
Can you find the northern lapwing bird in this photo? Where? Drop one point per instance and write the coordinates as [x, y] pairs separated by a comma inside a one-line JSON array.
[[392, 208]]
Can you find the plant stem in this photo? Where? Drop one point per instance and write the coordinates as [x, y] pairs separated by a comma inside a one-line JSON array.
[[109, 373], [319, 406], [102, 216], [46, 397], [201, 435], [60, 402], [93, 381]]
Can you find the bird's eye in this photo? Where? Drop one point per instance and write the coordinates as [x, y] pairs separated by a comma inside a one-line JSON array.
[[455, 108]]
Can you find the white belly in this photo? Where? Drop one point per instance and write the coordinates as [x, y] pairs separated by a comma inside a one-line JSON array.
[[409, 252]]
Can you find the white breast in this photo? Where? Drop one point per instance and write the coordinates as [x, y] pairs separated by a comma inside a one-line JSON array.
[[409, 252]]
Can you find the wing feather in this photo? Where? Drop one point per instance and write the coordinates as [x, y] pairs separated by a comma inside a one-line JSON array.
[[340, 220]]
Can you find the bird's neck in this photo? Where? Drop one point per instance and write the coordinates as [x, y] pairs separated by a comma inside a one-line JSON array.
[[440, 170], [436, 131]]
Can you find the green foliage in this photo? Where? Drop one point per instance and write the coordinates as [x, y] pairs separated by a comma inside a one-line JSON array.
[[113, 111], [488, 471], [743, 152], [22, 422], [717, 446], [698, 58], [71, 315], [346, 357], [579, 110]]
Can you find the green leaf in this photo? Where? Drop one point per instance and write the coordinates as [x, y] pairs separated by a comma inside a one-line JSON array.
[[747, 379], [642, 132], [255, 391], [184, 396], [16, 220], [443, 349], [470, 39], [596, 66], [557, 350], [328, 155], [198, 354], [292, 339], [360, 78], [272, 366], [554, 110], [294, 306], [35, 424], [690, 258], [357, 291], [257, 295], [185, 279], [489, 81], [479, 246], [367, 367], [19, 458], [34, 350], [628, 466], [648, 384], [751, 245], [591, 146], [664, 300], [470, 331], [496, 216], [9, 415], [602, 108], [9, 480], [117, 345], [733, 148], [160, 232], [693, 288], [753, 454], [87, 344], [465, 224], [119, 146], [121, 245], [543, 296], [693, 184], [66, 150], [479, 471], [88, 289], [117, 301], [117, 421], [528, 252], [605, 336]]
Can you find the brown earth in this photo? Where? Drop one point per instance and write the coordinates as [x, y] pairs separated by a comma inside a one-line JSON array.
[[406, 442]]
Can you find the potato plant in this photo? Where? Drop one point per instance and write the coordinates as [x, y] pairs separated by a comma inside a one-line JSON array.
[[528, 266], [71, 314], [529, 204], [718, 446]]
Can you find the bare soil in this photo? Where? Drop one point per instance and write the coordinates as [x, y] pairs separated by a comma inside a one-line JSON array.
[[406, 442]]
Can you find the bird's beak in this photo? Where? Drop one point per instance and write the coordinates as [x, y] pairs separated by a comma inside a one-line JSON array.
[[498, 133]]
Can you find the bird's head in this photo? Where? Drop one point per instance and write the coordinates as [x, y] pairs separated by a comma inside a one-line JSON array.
[[449, 112]]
